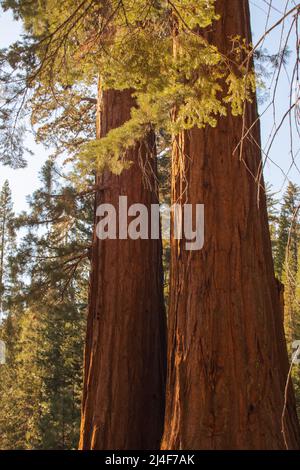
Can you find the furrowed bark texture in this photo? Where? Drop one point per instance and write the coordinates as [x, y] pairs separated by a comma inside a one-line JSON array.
[[227, 358], [124, 383]]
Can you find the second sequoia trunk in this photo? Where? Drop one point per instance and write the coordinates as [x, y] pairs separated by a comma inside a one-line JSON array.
[[123, 401], [227, 355]]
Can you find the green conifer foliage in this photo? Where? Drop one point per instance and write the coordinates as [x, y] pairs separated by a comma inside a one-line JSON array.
[[127, 44], [287, 269], [7, 243], [296, 348], [287, 228], [41, 382]]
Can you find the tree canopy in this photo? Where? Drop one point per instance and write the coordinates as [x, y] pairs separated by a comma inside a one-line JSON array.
[[159, 49]]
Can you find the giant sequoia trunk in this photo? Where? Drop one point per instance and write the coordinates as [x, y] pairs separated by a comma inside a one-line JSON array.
[[123, 401], [227, 355]]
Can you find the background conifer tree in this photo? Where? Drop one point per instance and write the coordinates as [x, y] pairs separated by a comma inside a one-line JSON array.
[[44, 326], [7, 244]]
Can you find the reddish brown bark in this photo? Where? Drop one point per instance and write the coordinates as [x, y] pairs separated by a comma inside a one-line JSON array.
[[123, 400], [227, 358]]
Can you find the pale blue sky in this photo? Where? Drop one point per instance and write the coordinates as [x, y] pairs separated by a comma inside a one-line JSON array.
[[25, 181]]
